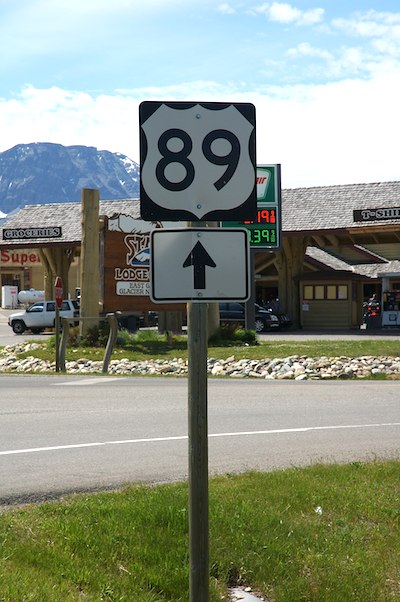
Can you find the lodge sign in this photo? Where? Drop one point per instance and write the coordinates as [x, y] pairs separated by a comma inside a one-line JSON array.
[[371, 215], [30, 233]]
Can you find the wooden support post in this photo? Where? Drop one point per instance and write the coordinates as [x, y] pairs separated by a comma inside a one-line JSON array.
[[112, 337], [289, 264], [49, 275], [57, 327], [170, 321], [212, 319], [198, 453], [90, 259], [250, 309], [63, 343], [56, 262]]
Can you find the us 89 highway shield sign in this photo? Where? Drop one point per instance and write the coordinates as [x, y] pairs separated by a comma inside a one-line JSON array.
[[197, 161]]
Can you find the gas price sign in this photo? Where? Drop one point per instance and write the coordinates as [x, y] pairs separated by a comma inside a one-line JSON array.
[[265, 229]]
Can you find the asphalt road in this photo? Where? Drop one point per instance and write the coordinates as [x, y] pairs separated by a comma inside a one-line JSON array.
[[60, 434]]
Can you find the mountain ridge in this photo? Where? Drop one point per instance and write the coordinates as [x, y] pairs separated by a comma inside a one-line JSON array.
[[47, 172]]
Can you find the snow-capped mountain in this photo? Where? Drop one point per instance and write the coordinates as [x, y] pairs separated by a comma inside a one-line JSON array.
[[43, 172]]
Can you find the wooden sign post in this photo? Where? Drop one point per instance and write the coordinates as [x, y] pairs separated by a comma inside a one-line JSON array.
[[58, 294], [198, 452], [197, 183], [90, 260]]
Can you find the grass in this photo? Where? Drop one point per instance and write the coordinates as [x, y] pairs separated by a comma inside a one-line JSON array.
[[149, 344], [323, 533]]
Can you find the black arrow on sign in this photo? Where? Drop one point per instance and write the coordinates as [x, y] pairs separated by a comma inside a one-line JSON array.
[[199, 258]]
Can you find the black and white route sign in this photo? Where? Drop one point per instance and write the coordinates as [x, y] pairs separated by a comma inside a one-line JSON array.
[[197, 161], [199, 264]]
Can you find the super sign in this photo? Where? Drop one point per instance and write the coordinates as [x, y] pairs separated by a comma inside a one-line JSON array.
[[197, 161]]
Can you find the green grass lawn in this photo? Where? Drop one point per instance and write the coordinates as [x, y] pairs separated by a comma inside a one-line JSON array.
[[148, 344], [324, 534]]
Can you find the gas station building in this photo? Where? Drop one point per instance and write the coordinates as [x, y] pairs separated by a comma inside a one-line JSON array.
[[339, 245]]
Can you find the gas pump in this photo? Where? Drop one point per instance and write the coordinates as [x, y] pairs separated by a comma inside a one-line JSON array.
[[391, 309]]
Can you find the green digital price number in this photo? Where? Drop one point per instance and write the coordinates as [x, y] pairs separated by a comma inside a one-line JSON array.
[[262, 237]]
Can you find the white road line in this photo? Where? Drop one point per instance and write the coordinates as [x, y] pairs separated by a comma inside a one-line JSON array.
[[87, 381], [33, 450], [306, 429]]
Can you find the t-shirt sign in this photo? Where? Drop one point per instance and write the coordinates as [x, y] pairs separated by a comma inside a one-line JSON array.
[[197, 161]]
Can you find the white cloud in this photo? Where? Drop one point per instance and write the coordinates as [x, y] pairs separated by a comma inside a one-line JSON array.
[[380, 30], [226, 9], [70, 117], [360, 27], [386, 46], [304, 49], [378, 38], [344, 132], [287, 14], [370, 24]]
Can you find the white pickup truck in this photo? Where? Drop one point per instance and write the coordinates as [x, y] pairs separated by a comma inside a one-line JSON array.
[[41, 315]]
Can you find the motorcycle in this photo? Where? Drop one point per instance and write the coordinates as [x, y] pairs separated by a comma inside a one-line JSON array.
[[284, 319]]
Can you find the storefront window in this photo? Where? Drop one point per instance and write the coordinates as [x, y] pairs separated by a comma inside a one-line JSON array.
[[331, 291], [326, 292], [308, 292]]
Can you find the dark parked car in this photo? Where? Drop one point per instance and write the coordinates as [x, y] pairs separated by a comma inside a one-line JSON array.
[[233, 312]]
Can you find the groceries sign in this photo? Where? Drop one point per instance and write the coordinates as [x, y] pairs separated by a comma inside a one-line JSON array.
[[32, 233]]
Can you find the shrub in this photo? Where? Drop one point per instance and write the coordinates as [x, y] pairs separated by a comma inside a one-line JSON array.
[[96, 336], [230, 334]]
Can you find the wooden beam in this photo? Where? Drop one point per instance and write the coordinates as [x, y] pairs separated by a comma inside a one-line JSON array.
[[90, 259], [290, 263], [48, 283], [270, 260], [56, 261], [334, 241], [320, 240]]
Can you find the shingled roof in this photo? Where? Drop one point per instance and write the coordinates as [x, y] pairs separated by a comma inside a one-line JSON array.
[[370, 270], [331, 207], [314, 209], [66, 215]]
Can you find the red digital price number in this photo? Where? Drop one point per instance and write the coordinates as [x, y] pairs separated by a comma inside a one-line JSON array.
[[264, 216]]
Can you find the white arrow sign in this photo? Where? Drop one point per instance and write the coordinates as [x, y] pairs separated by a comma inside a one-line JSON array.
[[207, 264], [197, 161]]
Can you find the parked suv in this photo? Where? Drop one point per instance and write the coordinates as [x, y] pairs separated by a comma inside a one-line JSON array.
[[235, 312], [42, 315]]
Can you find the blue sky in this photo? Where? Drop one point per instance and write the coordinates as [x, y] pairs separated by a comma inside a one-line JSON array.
[[324, 76]]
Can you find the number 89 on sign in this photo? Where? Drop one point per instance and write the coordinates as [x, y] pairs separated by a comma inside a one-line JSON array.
[[197, 161]]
